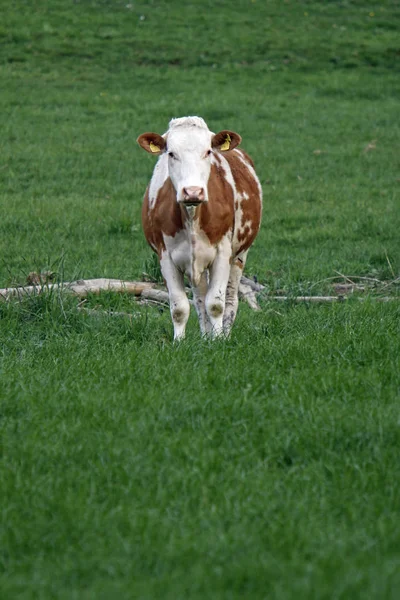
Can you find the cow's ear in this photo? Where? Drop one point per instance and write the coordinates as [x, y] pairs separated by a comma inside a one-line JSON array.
[[225, 140], [152, 142]]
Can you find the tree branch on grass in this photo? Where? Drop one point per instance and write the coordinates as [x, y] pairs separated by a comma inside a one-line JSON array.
[[150, 293], [328, 299], [83, 287]]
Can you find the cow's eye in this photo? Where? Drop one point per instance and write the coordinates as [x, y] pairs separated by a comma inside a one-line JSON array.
[[171, 154], [209, 152]]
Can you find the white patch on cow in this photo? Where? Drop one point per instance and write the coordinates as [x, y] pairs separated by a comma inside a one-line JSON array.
[[190, 251], [189, 164], [239, 228], [228, 173], [160, 175], [248, 225], [250, 168]]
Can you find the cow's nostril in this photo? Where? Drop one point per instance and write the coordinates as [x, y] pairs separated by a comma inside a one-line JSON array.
[[193, 192]]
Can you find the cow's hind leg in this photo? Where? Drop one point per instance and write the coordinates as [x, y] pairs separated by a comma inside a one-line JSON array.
[[199, 299], [232, 301], [179, 304]]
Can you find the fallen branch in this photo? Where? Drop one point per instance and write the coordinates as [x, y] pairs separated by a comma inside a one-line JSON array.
[[84, 287], [249, 295], [328, 299], [148, 292], [257, 287], [389, 283], [158, 296], [350, 278]]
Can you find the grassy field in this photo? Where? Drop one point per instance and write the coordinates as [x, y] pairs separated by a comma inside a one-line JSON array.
[[264, 466]]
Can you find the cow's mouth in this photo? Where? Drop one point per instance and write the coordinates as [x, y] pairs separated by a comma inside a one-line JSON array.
[[192, 202]]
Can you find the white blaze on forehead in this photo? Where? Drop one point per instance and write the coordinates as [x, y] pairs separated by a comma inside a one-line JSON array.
[[188, 134], [185, 139], [189, 139]]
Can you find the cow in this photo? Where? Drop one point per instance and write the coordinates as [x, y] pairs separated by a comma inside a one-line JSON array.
[[201, 213]]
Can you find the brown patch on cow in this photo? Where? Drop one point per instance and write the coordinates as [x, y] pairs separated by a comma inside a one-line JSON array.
[[243, 235], [239, 263], [251, 207], [217, 157], [217, 215], [246, 157], [164, 218]]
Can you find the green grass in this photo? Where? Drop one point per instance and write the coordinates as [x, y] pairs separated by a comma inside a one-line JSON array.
[[264, 466]]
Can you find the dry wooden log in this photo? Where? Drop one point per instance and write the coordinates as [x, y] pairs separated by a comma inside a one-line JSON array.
[[83, 287], [149, 291], [80, 288], [159, 296]]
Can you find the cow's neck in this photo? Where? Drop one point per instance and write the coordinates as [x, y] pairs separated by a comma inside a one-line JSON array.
[[190, 214], [199, 246]]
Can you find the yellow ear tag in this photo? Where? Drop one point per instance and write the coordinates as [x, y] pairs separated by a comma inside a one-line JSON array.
[[154, 147], [226, 145]]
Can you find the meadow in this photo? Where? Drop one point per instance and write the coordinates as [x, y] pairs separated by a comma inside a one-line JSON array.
[[265, 466]]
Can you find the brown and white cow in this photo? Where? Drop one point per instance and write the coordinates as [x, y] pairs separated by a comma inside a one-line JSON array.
[[201, 213]]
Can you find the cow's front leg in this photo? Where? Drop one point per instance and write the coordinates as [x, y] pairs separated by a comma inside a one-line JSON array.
[[178, 302], [215, 298], [199, 299]]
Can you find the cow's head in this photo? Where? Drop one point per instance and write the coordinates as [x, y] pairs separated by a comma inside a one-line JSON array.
[[188, 146]]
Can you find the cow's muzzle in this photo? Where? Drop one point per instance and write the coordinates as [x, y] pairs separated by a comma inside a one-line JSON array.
[[192, 196]]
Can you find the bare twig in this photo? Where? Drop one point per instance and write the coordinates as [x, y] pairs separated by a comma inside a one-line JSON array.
[[389, 263], [257, 287], [351, 277], [370, 146], [249, 295], [389, 283], [326, 280], [328, 299], [346, 277]]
